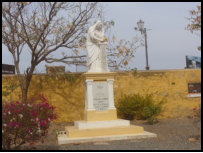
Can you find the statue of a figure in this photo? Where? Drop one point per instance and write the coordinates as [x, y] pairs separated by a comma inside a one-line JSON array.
[[96, 49]]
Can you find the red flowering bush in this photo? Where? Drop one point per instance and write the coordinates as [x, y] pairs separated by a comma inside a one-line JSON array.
[[25, 123], [197, 111]]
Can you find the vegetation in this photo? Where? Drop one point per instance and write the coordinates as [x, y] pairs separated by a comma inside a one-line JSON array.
[[197, 111], [25, 123], [137, 106], [195, 22], [9, 88], [134, 71], [41, 29]]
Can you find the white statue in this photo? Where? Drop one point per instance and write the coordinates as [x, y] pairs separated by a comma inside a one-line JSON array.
[[96, 49]]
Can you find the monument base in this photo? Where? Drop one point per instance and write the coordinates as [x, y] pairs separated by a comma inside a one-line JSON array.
[[91, 131], [110, 114], [73, 132], [101, 124], [63, 139], [100, 118]]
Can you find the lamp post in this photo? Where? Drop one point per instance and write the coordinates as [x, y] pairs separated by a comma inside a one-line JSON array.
[[141, 28]]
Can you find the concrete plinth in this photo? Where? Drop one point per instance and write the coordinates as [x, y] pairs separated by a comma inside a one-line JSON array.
[[101, 124], [106, 115], [73, 132], [63, 139]]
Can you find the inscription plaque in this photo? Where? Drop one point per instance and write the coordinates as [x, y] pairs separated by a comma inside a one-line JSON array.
[[100, 96]]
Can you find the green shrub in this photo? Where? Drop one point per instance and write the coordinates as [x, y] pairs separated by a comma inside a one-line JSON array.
[[139, 107], [126, 107], [9, 88], [150, 113], [134, 71]]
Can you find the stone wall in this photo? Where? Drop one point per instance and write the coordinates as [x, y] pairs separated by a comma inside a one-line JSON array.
[[66, 91]]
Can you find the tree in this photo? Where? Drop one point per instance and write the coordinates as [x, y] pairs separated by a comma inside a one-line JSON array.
[[195, 21], [46, 28], [42, 28]]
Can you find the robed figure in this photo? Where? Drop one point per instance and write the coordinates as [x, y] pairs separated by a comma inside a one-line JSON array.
[[96, 49]]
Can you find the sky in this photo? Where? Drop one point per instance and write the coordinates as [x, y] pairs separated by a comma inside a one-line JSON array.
[[168, 41]]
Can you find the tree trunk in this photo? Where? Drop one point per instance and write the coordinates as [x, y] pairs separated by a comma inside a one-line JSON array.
[[24, 95], [28, 78]]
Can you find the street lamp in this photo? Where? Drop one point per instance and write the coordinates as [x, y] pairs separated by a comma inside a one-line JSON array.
[[141, 28]]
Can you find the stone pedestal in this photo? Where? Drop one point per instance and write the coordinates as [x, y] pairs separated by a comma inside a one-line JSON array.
[[99, 97], [100, 116]]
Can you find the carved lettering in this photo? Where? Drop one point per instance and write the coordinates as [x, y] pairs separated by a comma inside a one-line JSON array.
[[100, 96]]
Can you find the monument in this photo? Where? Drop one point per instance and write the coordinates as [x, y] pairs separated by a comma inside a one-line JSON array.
[[100, 116]]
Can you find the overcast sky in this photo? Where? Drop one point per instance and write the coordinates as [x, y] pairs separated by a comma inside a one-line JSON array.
[[168, 41]]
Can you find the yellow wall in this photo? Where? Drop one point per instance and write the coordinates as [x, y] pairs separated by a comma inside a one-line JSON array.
[[69, 97]]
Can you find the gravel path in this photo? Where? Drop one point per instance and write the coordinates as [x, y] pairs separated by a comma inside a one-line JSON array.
[[172, 134]]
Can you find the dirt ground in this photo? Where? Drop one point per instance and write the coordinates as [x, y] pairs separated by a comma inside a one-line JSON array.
[[172, 134]]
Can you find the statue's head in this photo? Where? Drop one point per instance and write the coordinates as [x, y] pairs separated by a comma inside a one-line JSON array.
[[98, 25]]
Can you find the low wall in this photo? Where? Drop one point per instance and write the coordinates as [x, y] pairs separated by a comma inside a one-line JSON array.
[[66, 91]]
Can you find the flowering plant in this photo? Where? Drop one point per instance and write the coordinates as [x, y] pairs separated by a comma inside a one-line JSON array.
[[197, 111], [25, 123]]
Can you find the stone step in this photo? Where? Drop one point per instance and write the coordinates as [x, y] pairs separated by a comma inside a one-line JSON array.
[[101, 124], [73, 132], [63, 139]]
